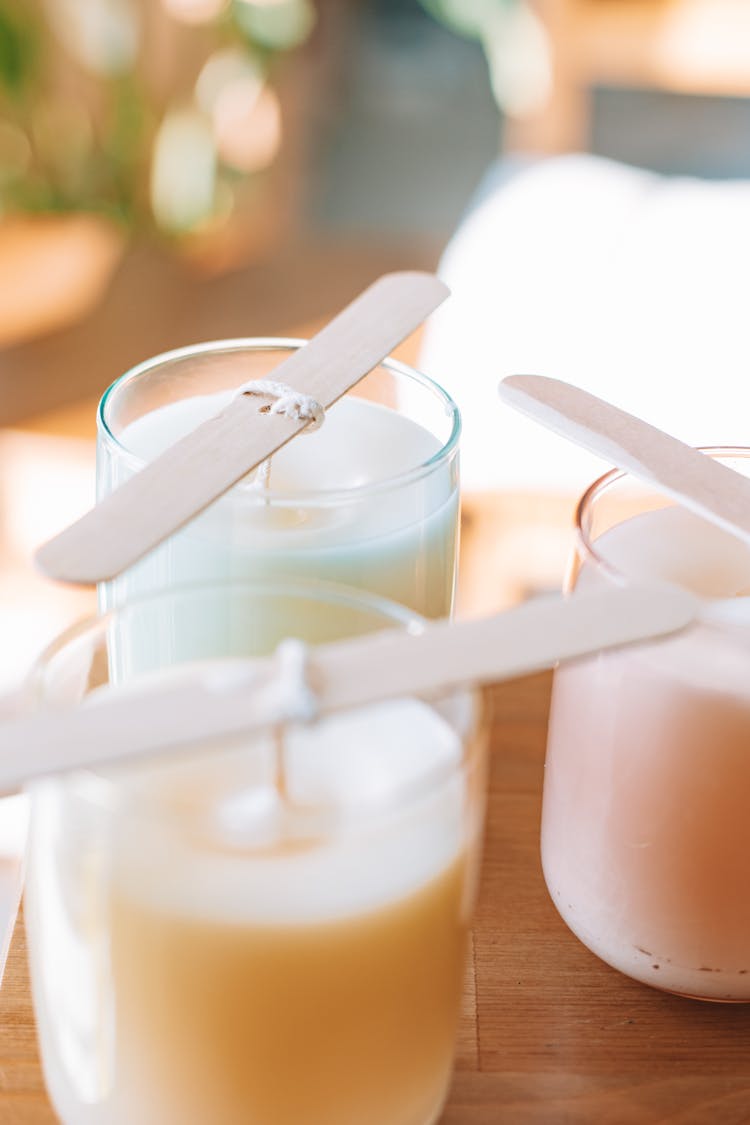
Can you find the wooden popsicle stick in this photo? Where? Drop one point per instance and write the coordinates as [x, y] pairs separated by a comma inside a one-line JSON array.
[[239, 696], [712, 490], [187, 477]]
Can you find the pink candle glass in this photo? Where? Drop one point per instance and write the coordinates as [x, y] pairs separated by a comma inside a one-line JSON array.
[[646, 822]]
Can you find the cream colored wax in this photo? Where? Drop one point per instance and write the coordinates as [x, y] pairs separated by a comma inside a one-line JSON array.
[[211, 951], [646, 818]]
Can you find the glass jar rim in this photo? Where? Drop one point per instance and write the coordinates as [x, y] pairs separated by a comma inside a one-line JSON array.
[[392, 613], [717, 611], [312, 497], [607, 480], [312, 588]]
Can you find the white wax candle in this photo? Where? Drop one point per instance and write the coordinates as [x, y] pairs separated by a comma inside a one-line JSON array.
[[337, 509], [645, 828], [191, 919]]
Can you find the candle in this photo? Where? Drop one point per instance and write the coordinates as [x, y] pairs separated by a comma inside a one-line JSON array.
[[263, 930], [370, 499], [645, 833], [258, 973]]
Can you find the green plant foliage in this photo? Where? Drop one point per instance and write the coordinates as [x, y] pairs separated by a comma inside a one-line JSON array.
[[515, 46], [95, 147], [472, 18], [279, 26], [18, 48]]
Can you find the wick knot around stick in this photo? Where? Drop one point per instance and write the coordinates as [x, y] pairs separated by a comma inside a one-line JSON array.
[[298, 701], [294, 404]]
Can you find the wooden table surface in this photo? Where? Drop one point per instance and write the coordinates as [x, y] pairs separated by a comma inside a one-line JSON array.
[[550, 1034]]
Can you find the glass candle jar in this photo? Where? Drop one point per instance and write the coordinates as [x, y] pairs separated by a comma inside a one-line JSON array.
[[370, 499], [645, 826], [267, 929]]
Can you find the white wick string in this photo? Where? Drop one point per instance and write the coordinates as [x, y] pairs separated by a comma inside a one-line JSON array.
[[289, 696], [298, 703], [294, 404]]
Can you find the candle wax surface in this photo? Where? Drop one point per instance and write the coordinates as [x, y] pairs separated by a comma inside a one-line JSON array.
[[645, 830], [359, 443]]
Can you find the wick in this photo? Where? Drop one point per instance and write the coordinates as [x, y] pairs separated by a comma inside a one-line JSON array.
[[280, 779], [263, 476], [294, 404], [298, 703]]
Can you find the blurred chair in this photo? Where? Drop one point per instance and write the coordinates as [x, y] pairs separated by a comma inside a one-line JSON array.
[[623, 282], [684, 46]]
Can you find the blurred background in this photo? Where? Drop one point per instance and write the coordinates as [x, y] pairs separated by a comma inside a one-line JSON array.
[[180, 170]]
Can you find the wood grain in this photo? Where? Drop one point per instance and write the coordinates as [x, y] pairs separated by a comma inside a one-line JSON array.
[[551, 1035]]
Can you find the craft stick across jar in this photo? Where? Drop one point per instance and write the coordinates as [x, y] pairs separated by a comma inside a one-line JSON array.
[[370, 498]]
